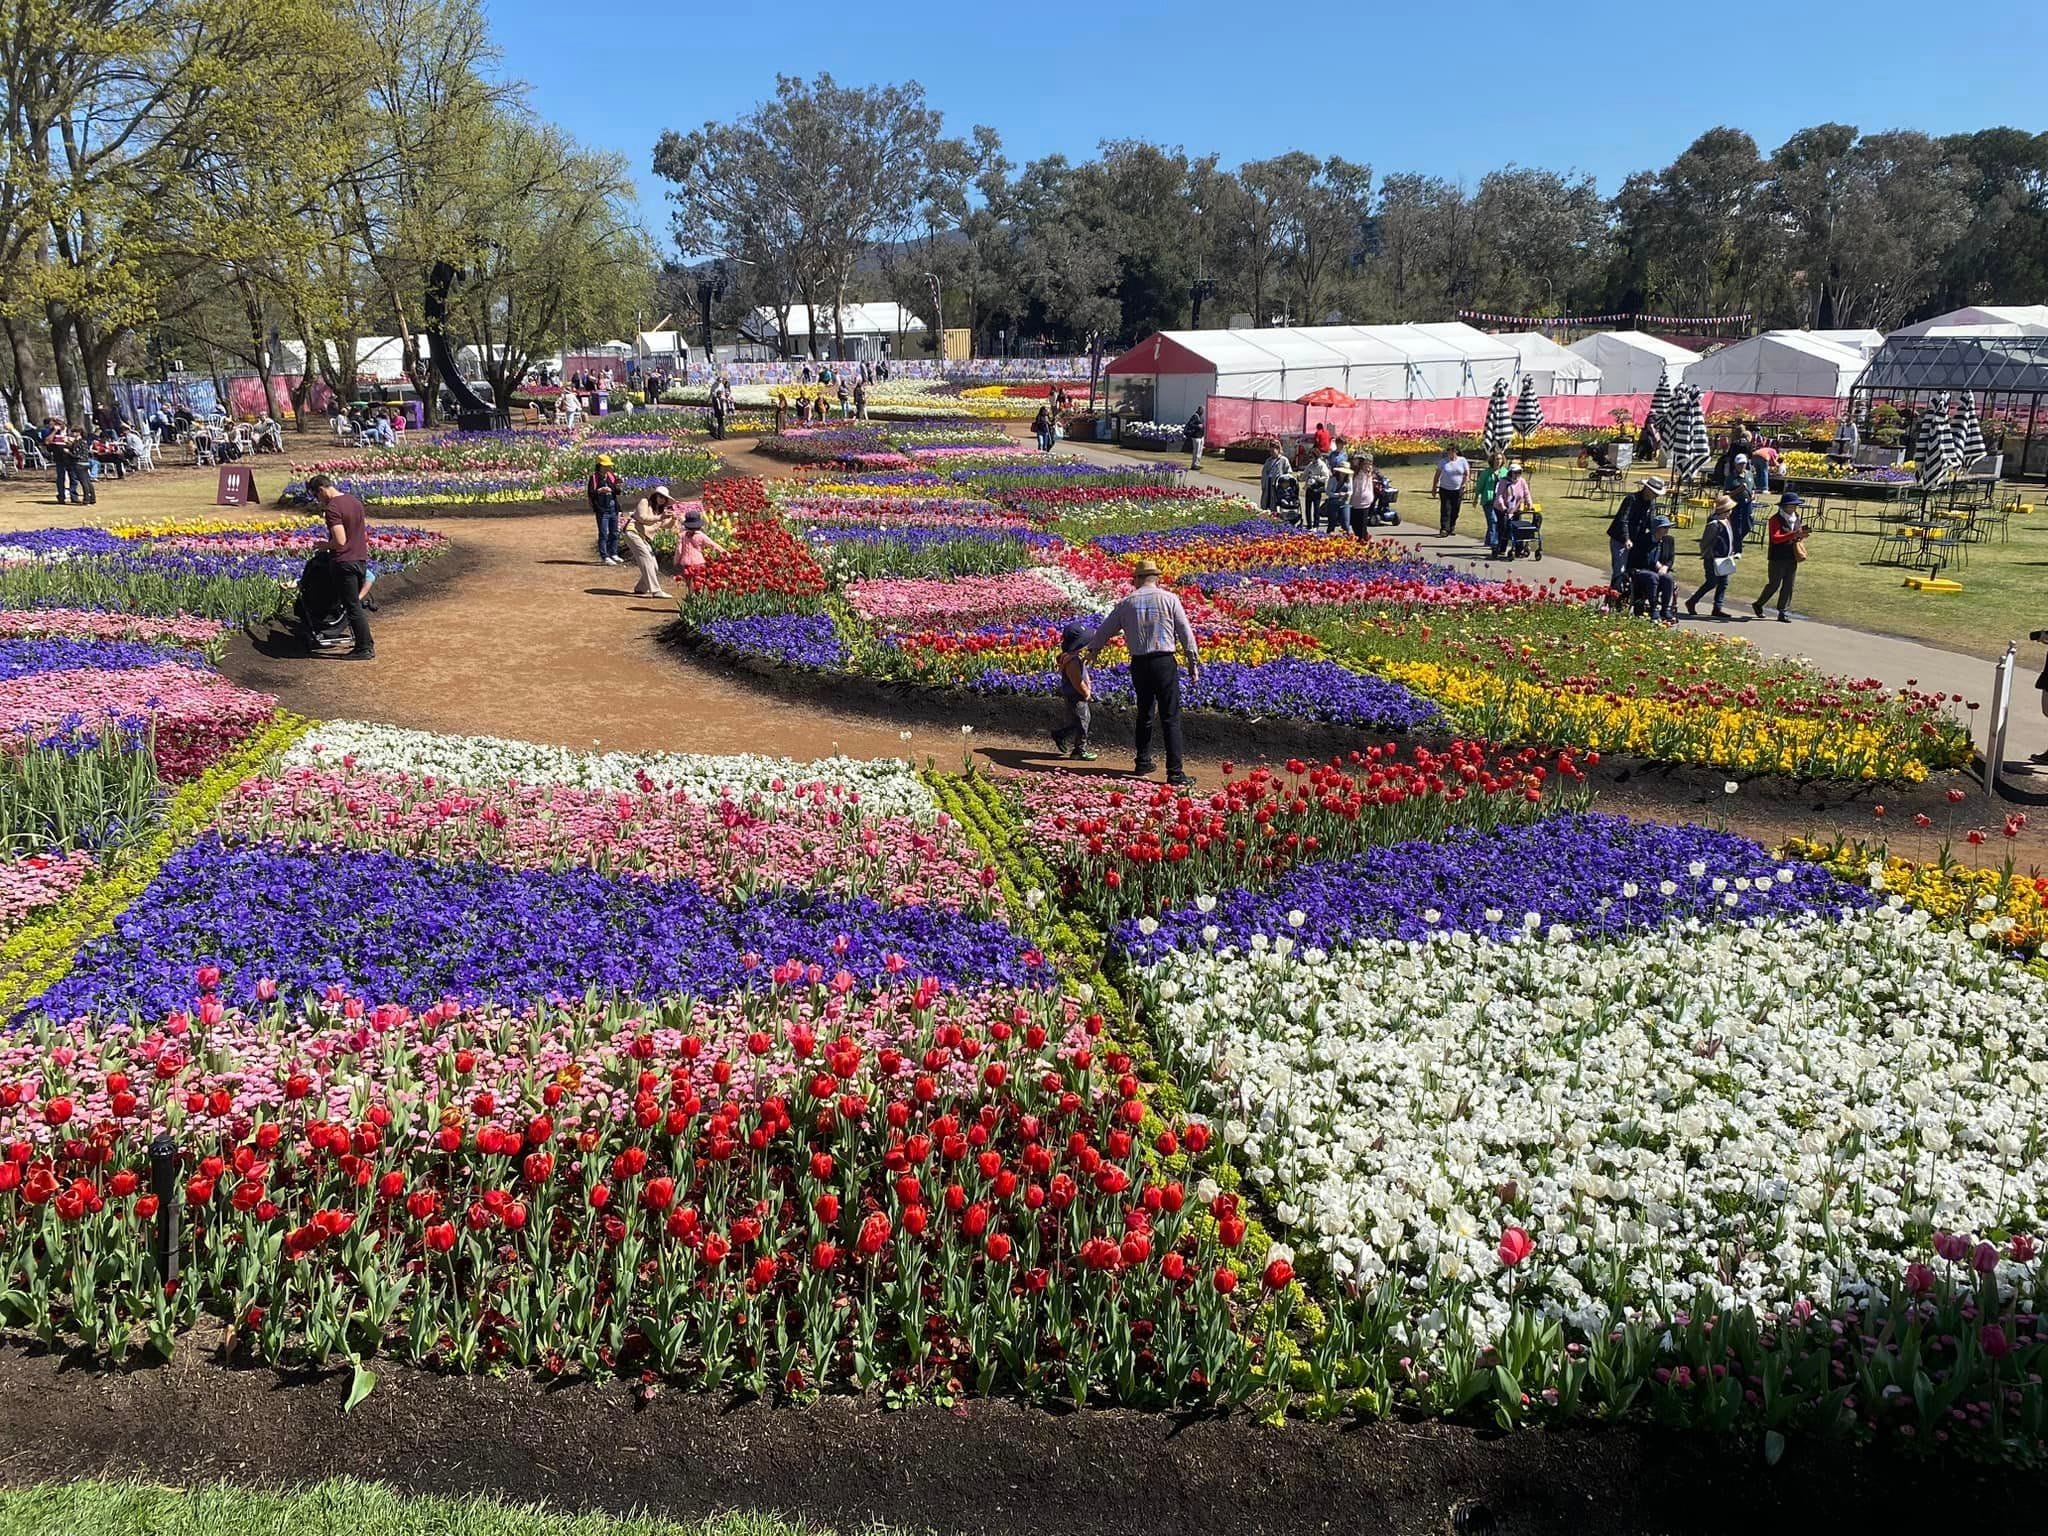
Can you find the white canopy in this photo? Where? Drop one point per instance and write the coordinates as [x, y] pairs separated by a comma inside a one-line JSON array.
[[1557, 370], [1368, 362], [856, 320], [1631, 362], [663, 345], [1780, 363], [1985, 320], [1865, 342]]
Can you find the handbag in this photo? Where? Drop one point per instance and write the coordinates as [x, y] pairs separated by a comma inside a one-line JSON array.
[[1725, 566], [1798, 549]]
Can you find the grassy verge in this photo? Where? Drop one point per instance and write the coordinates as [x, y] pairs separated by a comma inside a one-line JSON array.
[[341, 1508]]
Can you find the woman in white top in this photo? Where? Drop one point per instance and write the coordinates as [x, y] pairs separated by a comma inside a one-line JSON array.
[[642, 524]]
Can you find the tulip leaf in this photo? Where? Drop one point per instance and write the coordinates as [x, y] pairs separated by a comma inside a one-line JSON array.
[[360, 1386]]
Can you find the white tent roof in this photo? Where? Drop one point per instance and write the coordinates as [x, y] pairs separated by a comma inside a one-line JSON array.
[[1538, 354], [1631, 362], [1985, 320], [1780, 363], [1375, 362], [663, 343], [1865, 342]]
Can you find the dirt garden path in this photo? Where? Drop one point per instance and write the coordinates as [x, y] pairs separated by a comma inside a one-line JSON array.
[[521, 633]]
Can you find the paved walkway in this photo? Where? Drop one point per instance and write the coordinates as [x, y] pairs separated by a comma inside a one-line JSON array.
[[1849, 652]]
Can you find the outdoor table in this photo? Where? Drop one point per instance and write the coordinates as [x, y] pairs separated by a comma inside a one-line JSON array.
[[1886, 494]]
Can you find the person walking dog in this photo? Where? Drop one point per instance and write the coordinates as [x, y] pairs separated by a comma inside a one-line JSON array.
[[1154, 625]]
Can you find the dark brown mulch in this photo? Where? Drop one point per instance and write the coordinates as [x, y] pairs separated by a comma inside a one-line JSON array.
[[991, 1467]]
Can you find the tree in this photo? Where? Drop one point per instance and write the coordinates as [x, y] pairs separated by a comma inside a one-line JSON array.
[[823, 173], [1324, 215], [549, 253], [1543, 237], [1698, 237]]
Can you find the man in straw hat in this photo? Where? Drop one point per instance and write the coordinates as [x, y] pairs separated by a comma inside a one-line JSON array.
[[1153, 624], [603, 488], [1631, 525]]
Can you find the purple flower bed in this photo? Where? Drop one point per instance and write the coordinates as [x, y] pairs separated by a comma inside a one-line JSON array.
[[63, 541], [396, 929], [1193, 533], [802, 640], [922, 536], [1573, 870], [20, 658], [1290, 688]]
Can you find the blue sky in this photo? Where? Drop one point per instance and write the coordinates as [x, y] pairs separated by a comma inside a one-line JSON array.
[[1610, 90]]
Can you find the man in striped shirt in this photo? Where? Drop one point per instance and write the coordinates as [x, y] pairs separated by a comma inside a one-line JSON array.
[[1153, 624]]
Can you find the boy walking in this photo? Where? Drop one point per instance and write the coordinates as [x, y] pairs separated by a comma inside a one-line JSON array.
[[1070, 737]]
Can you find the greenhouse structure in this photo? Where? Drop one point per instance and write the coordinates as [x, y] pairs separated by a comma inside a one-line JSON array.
[[2007, 375]]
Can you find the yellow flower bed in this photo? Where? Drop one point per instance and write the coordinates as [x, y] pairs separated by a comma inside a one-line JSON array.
[[37, 955], [185, 527], [1999, 906], [1745, 741]]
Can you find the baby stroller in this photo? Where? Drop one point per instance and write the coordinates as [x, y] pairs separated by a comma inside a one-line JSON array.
[[1525, 536], [318, 617], [1287, 499]]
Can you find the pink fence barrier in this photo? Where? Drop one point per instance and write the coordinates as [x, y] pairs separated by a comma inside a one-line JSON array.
[[1230, 418]]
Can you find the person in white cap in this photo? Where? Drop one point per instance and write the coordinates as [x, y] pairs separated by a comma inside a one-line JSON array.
[[642, 525]]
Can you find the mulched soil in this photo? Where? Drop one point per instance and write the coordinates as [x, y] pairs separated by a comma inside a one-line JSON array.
[[990, 1467]]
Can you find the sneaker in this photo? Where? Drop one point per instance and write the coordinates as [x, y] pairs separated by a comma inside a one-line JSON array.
[[1142, 770], [1784, 618], [1059, 744], [1180, 781], [369, 655], [1723, 615], [1692, 606], [1088, 754]]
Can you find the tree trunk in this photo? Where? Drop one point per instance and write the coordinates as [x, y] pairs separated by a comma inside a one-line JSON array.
[[28, 393], [96, 351], [60, 354]]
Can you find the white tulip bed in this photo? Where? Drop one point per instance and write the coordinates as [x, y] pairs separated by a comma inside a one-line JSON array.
[[1764, 1114]]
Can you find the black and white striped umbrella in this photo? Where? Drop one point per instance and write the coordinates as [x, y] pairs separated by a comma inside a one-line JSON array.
[[1934, 451], [1528, 409], [1968, 431], [1500, 431], [1660, 402], [1690, 448]]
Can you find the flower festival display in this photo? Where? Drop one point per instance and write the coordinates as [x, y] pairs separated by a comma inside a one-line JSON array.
[[517, 466]]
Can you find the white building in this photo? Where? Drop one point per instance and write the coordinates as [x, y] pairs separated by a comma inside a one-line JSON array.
[[871, 330]]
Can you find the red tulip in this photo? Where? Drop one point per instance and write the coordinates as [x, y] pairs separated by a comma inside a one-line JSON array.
[[1515, 1246]]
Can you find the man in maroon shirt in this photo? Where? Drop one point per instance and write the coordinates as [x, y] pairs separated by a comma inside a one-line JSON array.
[[348, 537]]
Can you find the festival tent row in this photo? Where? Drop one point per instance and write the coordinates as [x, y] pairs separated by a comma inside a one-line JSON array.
[[1633, 362], [1557, 370], [1785, 363], [1367, 362]]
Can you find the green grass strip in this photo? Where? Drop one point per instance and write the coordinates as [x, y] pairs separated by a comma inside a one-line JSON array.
[[340, 1508]]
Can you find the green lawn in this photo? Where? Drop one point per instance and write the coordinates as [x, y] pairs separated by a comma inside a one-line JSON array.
[[342, 1508], [2005, 586]]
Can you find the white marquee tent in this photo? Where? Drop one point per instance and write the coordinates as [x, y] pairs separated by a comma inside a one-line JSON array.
[[1557, 370], [1866, 342], [1780, 363], [1985, 320], [1631, 362], [1368, 362]]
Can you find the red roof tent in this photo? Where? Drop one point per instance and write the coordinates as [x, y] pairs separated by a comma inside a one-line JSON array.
[[1326, 396], [1159, 354]]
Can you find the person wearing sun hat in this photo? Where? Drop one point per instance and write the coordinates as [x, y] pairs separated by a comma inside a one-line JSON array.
[[1154, 625], [1786, 532], [646, 521], [690, 547], [603, 489]]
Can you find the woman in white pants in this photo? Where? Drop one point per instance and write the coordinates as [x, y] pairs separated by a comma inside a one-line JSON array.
[[642, 524]]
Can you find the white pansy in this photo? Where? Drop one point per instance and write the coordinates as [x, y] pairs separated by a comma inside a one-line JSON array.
[[1698, 1108]]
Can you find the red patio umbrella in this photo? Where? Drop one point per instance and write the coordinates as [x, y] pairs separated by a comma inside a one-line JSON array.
[[1326, 396]]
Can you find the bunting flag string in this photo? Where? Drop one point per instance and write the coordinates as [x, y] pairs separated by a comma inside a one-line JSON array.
[[1632, 320]]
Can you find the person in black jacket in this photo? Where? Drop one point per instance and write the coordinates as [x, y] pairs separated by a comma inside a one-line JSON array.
[[1631, 526], [1717, 543]]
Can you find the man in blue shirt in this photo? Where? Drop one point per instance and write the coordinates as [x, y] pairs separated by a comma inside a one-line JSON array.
[[1154, 624]]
